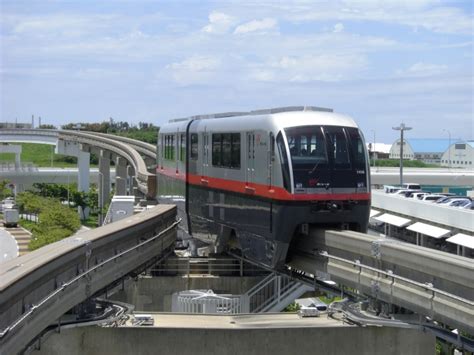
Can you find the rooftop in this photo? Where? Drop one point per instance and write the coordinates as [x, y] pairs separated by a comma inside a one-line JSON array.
[[431, 145]]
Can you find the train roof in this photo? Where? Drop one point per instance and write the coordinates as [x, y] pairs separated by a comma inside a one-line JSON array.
[[278, 118], [266, 111]]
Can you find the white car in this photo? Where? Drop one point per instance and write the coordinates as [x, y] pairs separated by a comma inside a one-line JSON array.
[[458, 202], [419, 195], [432, 198]]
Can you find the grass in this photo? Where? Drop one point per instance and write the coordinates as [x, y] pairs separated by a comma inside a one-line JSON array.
[[91, 222], [40, 155]]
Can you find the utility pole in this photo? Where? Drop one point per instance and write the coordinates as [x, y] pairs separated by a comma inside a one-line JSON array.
[[401, 128], [374, 151]]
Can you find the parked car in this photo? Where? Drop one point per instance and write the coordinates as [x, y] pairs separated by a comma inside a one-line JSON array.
[[451, 199], [411, 186], [405, 192], [432, 197], [457, 202], [419, 195], [469, 206], [409, 193]]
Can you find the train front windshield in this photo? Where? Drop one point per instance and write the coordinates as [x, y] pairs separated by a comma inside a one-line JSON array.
[[327, 157]]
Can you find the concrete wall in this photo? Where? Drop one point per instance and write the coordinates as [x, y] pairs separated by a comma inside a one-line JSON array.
[[320, 340], [153, 294]]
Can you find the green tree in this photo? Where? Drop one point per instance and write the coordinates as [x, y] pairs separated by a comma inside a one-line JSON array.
[[59, 216], [56, 222], [5, 190]]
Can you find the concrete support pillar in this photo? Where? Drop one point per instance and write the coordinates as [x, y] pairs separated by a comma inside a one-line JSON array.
[[83, 165], [104, 176], [83, 177], [131, 179], [120, 176], [17, 161]]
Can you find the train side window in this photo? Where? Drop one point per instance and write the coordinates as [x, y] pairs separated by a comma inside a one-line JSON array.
[[226, 150], [283, 161], [217, 149], [235, 151], [194, 146], [169, 147]]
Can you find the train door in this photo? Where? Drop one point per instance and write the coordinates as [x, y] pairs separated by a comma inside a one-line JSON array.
[[270, 159], [250, 173]]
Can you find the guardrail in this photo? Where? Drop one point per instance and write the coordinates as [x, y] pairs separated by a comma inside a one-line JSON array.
[[224, 266], [37, 288], [426, 281]]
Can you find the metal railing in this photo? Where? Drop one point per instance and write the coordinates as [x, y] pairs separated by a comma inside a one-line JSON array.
[[224, 266]]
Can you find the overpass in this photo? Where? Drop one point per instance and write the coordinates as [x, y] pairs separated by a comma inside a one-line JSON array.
[[38, 288], [129, 164]]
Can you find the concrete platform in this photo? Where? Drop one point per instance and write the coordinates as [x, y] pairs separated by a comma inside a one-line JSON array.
[[244, 334]]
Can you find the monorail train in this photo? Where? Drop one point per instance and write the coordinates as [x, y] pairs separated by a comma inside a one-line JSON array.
[[254, 180]]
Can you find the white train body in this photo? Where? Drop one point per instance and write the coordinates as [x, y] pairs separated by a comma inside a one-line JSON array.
[[253, 180]]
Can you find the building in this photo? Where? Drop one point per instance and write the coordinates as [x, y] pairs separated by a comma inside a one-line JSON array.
[[9, 125], [428, 150], [459, 155], [378, 150]]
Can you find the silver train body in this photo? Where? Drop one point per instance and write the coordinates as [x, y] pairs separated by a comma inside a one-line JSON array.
[[254, 181]]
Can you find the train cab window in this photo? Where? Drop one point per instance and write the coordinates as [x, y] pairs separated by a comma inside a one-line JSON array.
[[308, 156], [194, 146], [337, 146], [285, 169], [358, 149], [226, 150], [169, 147]]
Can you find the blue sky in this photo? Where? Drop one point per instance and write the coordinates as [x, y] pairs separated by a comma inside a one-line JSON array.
[[382, 62]]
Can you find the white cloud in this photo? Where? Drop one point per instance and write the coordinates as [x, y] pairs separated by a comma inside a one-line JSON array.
[[194, 70], [338, 27], [430, 15], [261, 26], [219, 22], [423, 69], [307, 68]]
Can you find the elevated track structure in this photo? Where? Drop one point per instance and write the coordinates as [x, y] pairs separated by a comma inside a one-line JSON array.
[[38, 288], [426, 281], [127, 156]]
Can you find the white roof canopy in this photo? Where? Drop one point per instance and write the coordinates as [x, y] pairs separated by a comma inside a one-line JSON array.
[[429, 230], [393, 220], [374, 213], [463, 240]]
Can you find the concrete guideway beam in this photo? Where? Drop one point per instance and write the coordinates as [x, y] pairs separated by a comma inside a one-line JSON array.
[[37, 288], [429, 282], [145, 180]]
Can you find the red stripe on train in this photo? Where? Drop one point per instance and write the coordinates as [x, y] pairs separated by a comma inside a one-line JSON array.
[[260, 190]]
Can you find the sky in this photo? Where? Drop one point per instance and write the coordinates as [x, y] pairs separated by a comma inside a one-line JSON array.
[[383, 62]]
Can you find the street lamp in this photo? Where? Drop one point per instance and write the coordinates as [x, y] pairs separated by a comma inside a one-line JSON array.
[[449, 148], [401, 128]]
